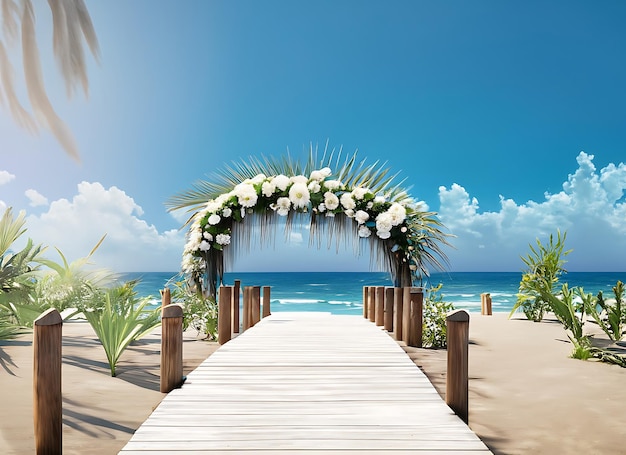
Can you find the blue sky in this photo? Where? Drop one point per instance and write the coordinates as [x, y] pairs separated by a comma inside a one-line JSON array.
[[484, 107]]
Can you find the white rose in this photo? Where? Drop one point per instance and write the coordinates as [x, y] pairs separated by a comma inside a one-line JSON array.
[[361, 216], [314, 187], [384, 222], [359, 193], [333, 184], [299, 179], [364, 231], [347, 201], [268, 188], [383, 234], [281, 182], [214, 219], [205, 246], [331, 201]]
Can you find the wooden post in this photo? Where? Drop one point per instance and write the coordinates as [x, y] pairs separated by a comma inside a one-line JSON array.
[[417, 318], [247, 292], [166, 297], [406, 315], [398, 313], [47, 400], [371, 303], [235, 309], [224, 320], [365, 303], [380, 305], [485, 304], [171, 347], [457, 377], [266, 301], [389, 309], [256, 305]]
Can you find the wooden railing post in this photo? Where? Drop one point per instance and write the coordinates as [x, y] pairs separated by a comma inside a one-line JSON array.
[[457, 375], [256, 305], [235, 310], [365, 303], [224, 320], [371, 303], [389, 309], [47, 400], [485, 304], [266, 301], [171, 347], [417, 315], [398, 313], [380, 305], [247, 293], [406, 315]]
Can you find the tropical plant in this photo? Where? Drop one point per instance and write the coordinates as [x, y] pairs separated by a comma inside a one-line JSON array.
[[544, 267], [17, 274], [68, 285], [435, 312], [564, 308], [71, 24], [199, 311], [612, 315], [119, 317], [358, 201]]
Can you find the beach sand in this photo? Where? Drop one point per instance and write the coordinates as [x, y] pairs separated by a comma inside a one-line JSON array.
[[526, 395]]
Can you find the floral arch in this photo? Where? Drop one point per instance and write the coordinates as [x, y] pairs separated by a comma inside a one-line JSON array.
[[355, 202]]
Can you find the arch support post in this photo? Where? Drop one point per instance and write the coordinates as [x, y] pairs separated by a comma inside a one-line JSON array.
[[457, 377]]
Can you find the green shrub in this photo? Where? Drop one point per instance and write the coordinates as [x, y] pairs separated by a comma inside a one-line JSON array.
[[199, 312], [612, 315], [544, 266], [434, 333], [118, 317]]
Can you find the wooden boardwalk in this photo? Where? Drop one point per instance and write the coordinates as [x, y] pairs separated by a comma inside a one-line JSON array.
[[306, 383]]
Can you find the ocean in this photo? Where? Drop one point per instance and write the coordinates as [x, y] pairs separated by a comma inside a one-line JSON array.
[[342, 293]]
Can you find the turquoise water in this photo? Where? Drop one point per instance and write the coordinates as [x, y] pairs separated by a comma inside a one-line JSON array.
[[342, 293]]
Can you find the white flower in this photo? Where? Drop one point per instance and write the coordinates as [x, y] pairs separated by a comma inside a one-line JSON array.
[[331, 201], [397, 212], [204, 246], [403, 229], [193, 242], [330, 214], [299, 179], [359, 193], [214, 219], [207, 236], [222, 239], [299, 195], [227, 212], [364, 231], [370, 205], [383, 234], [347, 201], [314, 187], [246, 194], [212, 206], [333, 184], [321, 174], [383, 223], [281, 182], [361, 216], [268, 188], [283, 204], [321, 207], [258, 178], [349, 213], [379, 199]]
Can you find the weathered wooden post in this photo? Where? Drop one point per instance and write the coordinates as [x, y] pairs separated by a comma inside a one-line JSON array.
[[171, 347], [485, 304], [256, 305], [457, 376], [166, 297], [380, 305], [406, 315], [236, 293], [247, 292], [398, 313], [266, 301], [389, 309], [371, 303], [365, 303], [417, 316], [224, 320], [47, 400]]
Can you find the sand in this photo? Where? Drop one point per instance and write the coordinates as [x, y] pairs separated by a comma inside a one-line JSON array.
[[526, 395]]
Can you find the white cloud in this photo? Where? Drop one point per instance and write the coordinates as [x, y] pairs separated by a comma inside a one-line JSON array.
[[5, 177], [131, 244], [36, 198], [591, 209]]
